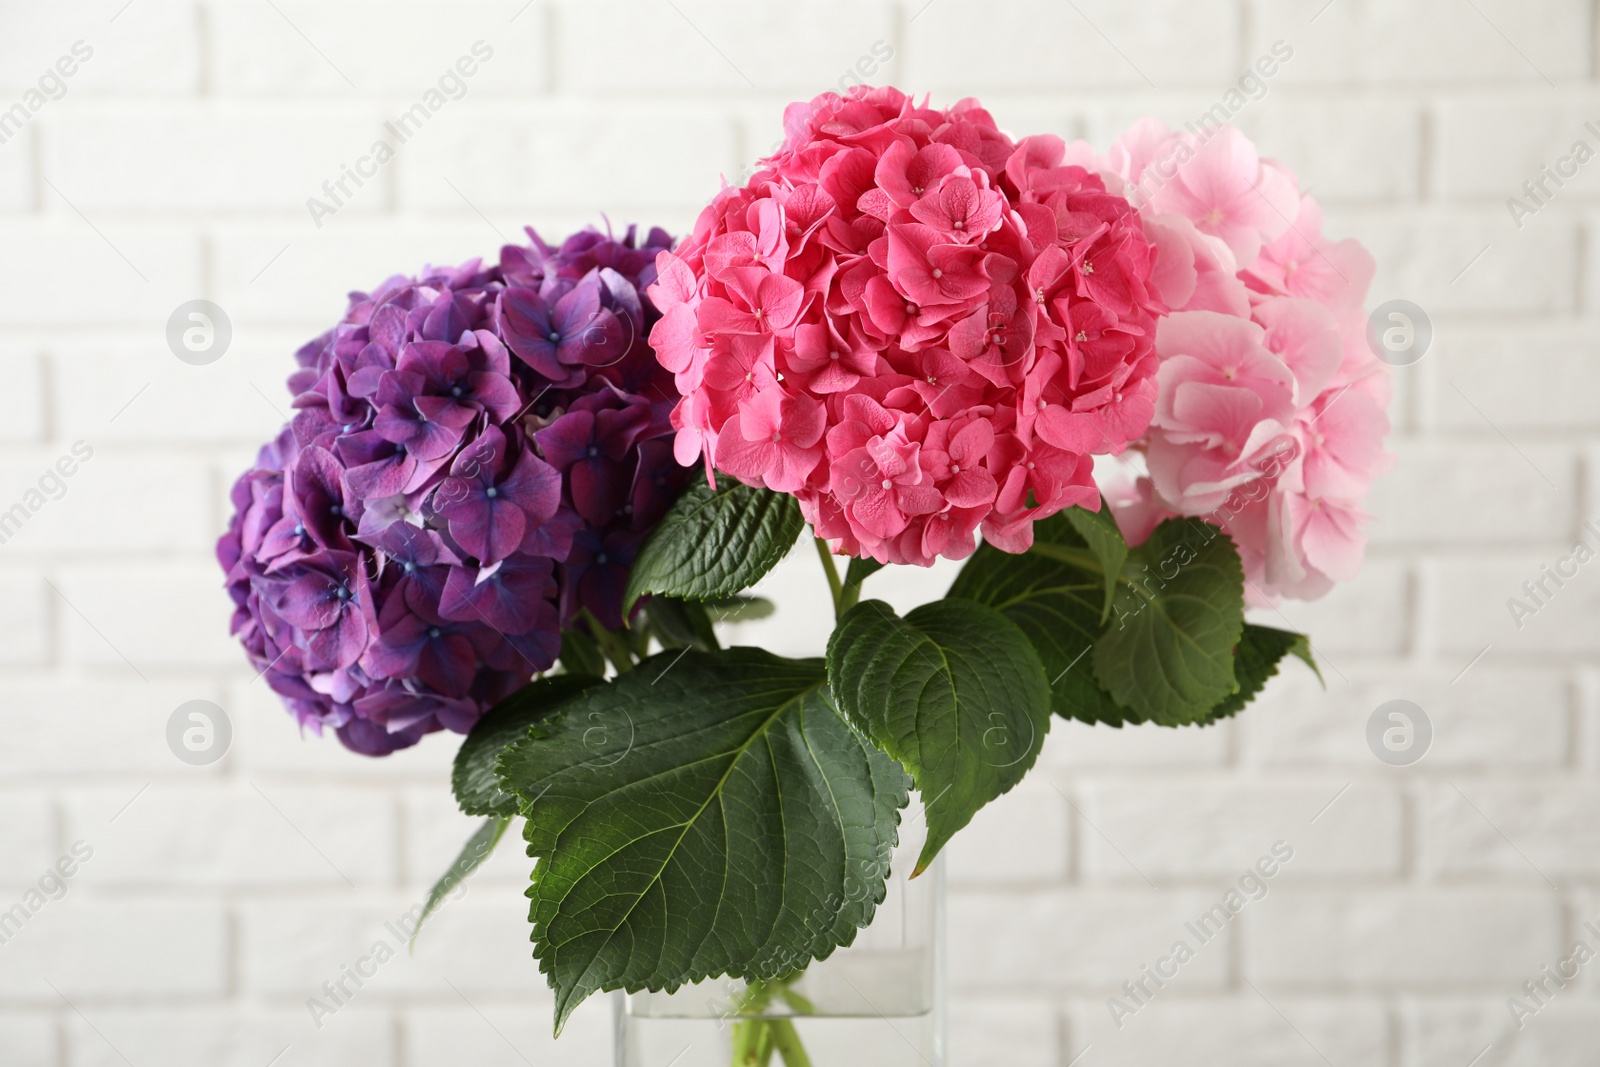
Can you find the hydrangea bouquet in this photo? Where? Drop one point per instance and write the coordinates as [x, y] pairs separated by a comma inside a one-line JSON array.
[[1130, 390]]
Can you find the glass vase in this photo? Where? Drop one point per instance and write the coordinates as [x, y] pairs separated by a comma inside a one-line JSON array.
[[879, 1002]]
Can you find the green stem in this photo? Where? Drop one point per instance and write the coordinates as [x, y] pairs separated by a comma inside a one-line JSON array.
[[797, 1004], [756, 1040], [786, 1039], [757, 995], [835, 587], [850, 597], [752, 1043], [614, 645]]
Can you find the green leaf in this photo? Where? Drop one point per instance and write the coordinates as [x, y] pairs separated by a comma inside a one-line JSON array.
[[1301, 650], [681, 624], [580, 654], [1168, 653], [1103, 537], [477, 849], [713, 544], [473, 779], [733, 824], [739, 609], [1057, 604], [954, 691], [1260, 651]]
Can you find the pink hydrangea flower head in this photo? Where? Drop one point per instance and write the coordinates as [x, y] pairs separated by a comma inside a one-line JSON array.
[[1270, 415], [915, 325]]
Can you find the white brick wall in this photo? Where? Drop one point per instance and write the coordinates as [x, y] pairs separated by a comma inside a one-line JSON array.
[[218, 899]]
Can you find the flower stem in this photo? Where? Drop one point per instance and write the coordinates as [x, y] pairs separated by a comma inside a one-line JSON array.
[[852, 593], [614, 645], [835, 587], [786, 1039], [756, 1040], [752, 1043]]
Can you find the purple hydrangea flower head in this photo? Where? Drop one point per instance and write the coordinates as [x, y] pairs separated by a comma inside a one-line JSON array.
[[476, 456]]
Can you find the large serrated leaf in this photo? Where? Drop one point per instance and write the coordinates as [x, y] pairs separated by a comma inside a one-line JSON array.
[[1057, 603], [954, 691], [1261, 649], [729, 822], [715, 543], [476, 788], [1168, 652]]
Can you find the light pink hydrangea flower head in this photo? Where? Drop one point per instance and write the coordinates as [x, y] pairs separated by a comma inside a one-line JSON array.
[[915, 325], [1271, 411]]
